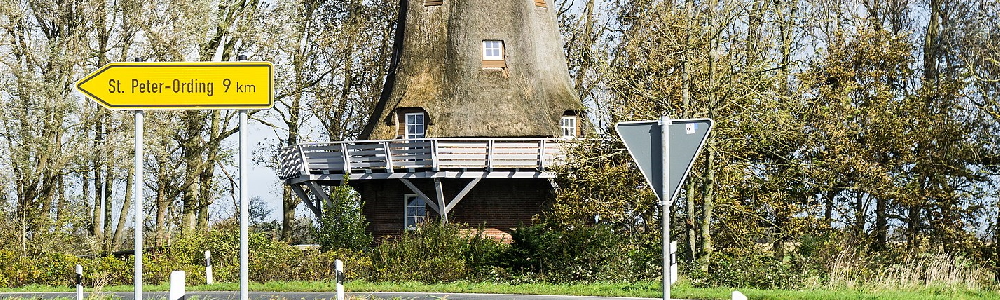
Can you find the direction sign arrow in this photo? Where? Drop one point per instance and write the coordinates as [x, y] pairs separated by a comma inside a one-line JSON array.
[[644, 141], [181, 85]]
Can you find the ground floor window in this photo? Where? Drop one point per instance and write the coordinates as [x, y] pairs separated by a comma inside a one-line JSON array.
[[416, 211]]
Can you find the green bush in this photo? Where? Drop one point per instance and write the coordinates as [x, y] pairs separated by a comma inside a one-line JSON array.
[[742, 269], [586, 253], [435, 253], [270, 260], [343, 225]]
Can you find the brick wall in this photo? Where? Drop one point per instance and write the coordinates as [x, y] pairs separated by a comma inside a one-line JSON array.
[[499, 205]]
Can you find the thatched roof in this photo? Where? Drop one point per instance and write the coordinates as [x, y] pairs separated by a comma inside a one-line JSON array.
[[438, 67]]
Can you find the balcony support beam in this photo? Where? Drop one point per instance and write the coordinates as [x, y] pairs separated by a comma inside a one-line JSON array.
[[297, 188], [417, 191]]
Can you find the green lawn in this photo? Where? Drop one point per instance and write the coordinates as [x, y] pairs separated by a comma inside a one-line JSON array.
[[650, 290]]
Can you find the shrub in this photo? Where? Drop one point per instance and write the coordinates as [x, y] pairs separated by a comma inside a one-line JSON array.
[[435, 253], [581, 253], [343, 224], [748, 269]]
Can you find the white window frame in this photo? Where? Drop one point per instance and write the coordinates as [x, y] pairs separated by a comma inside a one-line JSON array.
[[411, 222], [493, 50], [418, 121], [568, 124]]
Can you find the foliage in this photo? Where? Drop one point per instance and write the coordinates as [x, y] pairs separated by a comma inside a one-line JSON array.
[[436, 253], [740, 269], [599, 183], [587, 253], [343, 225], [861, 132]]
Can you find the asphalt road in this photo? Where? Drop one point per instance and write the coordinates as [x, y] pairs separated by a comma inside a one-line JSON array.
[[317, 296]]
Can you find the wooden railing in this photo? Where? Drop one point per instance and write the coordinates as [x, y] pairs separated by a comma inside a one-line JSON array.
[[400, 156]]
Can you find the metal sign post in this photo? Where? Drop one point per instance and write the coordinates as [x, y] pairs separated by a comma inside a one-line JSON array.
[[665, 203], [139, 185], [664, 149], [244, 210]]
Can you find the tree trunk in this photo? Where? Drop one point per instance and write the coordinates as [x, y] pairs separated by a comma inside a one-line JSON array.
[[61, 203], [108, 207], [881, 224], [689, 221], [288, 200], [92, 218], [828, 207], [163, 200], [709, 178], [162, 204], [207, 174], [691, 230], [860, 210], [98, 228], [586, 62], [778, 244], [709, 206], [192, 149], [123, 214], [913, 226]]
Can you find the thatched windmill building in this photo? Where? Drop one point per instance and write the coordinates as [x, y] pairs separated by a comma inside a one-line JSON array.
[[475, 106]]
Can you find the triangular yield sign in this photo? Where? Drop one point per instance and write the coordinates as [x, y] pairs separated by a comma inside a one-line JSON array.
[[685, 138]]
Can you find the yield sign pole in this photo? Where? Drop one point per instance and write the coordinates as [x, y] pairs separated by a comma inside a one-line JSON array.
[[665, 205], [664, 149]]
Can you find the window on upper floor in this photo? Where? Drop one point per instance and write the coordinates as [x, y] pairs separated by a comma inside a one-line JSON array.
[[415, 126], [493, 54], [569, 126]]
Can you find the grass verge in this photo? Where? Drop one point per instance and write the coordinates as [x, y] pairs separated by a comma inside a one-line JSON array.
[[648, 290]]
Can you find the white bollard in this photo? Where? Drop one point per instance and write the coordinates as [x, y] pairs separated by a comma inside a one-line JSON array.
[[339, 267], [209, 278], [176, 285], [673, 262], [79, 282], [738, 296]]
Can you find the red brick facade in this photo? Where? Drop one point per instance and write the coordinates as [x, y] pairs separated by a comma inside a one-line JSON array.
[[499, 205]]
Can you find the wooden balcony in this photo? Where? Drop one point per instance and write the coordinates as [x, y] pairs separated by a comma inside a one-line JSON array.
[[421, 158]]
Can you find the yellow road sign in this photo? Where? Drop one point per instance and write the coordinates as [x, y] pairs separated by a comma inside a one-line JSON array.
[[181, 85]]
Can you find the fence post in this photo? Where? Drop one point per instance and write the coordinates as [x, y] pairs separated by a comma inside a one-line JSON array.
[[339, 267], [209, 278], [79, 282], [176, 285]]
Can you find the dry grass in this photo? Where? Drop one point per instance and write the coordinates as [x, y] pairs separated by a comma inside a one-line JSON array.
[[922, 271]]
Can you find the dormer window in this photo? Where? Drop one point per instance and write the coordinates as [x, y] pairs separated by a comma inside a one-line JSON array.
[[410, 122], [415, 126], [569, 126], [493, 54]]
